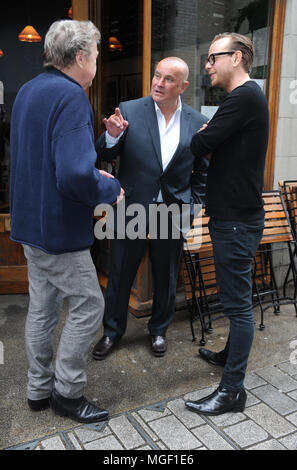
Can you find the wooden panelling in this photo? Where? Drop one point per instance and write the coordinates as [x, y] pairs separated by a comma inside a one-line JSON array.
[[146, 58], [13, 265], [273, 83]]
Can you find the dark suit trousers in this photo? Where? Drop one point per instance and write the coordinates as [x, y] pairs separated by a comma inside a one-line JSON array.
[[125, 258]]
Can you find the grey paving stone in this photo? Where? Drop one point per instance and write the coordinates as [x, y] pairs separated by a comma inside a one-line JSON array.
[[246, 433], [289, 368], [87, 435], [53, 443], [251, 399], [144, 426], [211, 439], [252, 380], [106, 443], [74, 441], [161, 445], [174, 434], [280, 402], [27, 446], [149, 415], [278, 378], [292, 418], [290, 442], [227, 419], [268, 419], [188, 418], [161, 406], [125, 432], [293, 395], [198, 394], [268, 445]]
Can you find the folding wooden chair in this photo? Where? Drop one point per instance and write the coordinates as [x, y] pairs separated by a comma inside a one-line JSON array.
[[198, 273], [289, 192], [277, 231]]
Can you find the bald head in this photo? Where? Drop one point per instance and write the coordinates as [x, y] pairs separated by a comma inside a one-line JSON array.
[[179, 64], [169, 81]]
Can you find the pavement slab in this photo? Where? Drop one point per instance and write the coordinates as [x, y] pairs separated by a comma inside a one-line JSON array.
[[146, 395]]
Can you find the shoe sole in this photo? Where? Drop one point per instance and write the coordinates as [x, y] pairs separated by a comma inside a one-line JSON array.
[[233, 410], [100, 358], [158, 354], [41, 408], [34, 407]]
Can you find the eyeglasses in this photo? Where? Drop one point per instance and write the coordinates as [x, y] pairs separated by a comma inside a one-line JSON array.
[[211, 59]]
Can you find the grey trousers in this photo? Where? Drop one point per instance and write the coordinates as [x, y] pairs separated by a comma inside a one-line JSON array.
[[53, 279]]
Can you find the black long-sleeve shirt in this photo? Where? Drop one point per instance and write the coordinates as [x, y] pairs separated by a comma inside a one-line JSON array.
[[237, 138]]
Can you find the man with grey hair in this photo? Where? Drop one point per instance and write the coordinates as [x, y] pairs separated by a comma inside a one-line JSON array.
[[54, 189]]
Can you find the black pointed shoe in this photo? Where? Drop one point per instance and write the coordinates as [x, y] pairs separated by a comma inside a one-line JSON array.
[[39, 405], [159, 345], [219, 402], [78, 409], [216, 359]]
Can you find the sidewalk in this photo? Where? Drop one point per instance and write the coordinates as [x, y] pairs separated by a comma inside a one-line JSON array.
[[127, 382]]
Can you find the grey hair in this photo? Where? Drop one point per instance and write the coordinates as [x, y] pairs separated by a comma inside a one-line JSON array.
[[65, 39]]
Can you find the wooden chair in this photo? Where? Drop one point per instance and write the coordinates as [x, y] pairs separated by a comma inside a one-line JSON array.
[[198, 273], [277, 230], [289, 192]]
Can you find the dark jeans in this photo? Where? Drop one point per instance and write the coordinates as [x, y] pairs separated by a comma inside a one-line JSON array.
[[234, 245]]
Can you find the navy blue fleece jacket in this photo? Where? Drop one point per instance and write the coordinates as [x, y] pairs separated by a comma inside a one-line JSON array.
[[54, 185]]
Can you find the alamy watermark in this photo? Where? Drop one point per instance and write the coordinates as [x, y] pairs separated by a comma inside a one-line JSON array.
[[293, 94], [160, 221]]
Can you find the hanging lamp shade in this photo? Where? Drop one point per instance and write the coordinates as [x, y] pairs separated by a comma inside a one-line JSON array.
[[29, 34], [70, 15], [114, 44], [1, 53]]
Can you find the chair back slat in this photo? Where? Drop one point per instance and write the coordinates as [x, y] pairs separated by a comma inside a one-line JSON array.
[[277, 224], [289, 191]]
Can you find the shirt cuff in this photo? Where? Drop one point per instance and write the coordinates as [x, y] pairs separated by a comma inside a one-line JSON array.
[[112, 141]]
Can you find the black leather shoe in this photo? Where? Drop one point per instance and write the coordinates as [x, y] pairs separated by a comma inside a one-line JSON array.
[[216, 359], [103, 348], [78, 409], [159, 345], [39, 405], [219, 402]]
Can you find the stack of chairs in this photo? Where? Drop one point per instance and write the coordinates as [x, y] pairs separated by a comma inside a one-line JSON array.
[[199, 277], [289, 192], [198, 270], [278, 236]]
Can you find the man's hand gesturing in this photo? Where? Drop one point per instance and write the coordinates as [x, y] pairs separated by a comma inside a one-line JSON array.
[[115, 124]]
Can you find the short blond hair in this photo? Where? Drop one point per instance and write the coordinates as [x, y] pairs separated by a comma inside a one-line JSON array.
[[239, 42]]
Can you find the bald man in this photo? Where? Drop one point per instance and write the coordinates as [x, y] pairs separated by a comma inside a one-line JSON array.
[[152, 136]]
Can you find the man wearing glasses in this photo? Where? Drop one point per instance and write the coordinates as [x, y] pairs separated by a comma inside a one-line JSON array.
[[235, 141]]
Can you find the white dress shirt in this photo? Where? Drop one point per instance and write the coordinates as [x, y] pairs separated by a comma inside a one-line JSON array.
[[169, 136]]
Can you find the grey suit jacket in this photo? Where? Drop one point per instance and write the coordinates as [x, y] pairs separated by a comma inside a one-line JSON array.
[[141, 172]]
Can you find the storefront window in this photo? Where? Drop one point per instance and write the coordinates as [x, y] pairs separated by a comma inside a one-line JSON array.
[[121, 52], [185, 28]]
